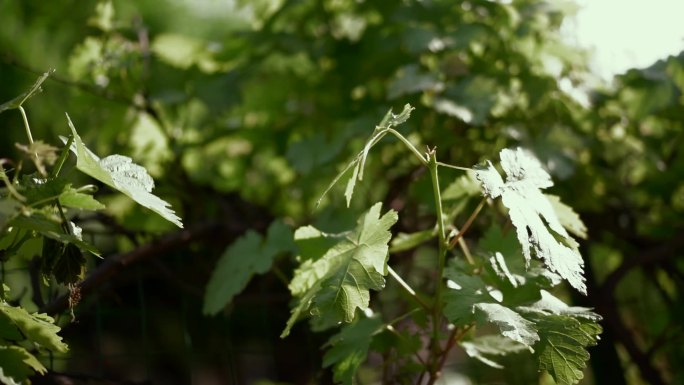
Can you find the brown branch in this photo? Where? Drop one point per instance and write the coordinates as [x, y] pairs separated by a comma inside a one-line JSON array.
[[115, 263]]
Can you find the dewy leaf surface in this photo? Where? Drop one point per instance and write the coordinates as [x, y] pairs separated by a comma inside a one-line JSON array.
[[251, 254], [531, 211], [350, 348], [120, 173], [337, 282]]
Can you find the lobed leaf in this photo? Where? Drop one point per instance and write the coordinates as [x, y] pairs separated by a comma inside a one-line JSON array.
[[38, 328], [562, 348], [349, 348], [251, 254], [336, 281], [530, 212], [482, 347], [120, 173], [510, 323], [17, 364]]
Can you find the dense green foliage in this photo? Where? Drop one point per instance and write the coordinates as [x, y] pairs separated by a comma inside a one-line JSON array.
[[264, 126]]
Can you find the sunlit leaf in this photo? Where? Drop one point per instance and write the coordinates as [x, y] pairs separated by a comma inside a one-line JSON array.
[[568, 217], [530, 211], [510, 323], [336, 284], [38, 328], [120, 173]]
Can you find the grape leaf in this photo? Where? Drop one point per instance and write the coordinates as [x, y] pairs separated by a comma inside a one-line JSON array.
[[358, 164], [529, 209], [250, 254], [465, 291], [491, 345], [38, 328], [568, 217], [75, 199], [561, 350], [19, 100], [120, 173], [349, 348], [335, 284], [510, 323], [17, 364], [550, 305]]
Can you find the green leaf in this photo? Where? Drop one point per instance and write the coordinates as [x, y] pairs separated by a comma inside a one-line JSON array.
[[403, 241], [335, 284], [120, 173], [561, 350], [19, 100], [529, 210], [550, 305], [38, 328], [464, 186], [17, 364], [63, 260], [349, 348], [358, 164], [53, 229], [465, 291], [251, 254], [510, 323], [75, 199], [482, 347], [568, 217]]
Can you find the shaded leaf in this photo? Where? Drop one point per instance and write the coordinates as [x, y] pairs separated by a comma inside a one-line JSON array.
[[465, 291], [251, 254], [120, 173], [530, 211], [349, 348], [403, 241], [337, 283], [17, 364], [482, 347], [561, 350], [19, 100], [75, 199]]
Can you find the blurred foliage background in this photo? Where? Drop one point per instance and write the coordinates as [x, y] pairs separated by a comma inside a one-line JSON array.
[[243, 112]]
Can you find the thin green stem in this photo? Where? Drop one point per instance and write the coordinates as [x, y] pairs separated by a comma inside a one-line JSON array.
[[26, 124], [9, 185], [408, 289], [443, 248], [62, 158], [447, 165], [410, 145]]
